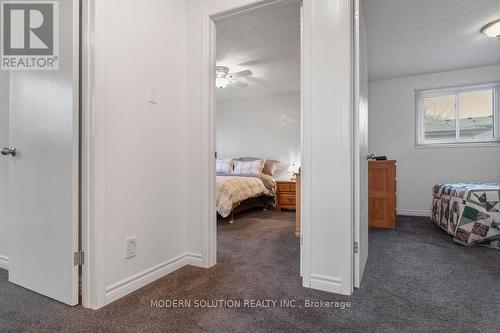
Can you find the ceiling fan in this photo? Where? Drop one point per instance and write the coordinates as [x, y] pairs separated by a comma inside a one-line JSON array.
[[223, 77]]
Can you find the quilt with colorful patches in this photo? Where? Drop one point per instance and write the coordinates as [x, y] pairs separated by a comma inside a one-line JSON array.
[[470, 212]]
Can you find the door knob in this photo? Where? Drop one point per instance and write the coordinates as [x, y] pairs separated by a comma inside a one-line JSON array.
[[9, 151]]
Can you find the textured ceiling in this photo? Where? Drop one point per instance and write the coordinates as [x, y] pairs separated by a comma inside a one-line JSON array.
[[266, 41], [409, 37]]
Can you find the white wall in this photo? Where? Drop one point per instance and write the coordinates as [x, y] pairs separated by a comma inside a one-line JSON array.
[[392, 133], [4, 177], [141, 50], [267, 127]]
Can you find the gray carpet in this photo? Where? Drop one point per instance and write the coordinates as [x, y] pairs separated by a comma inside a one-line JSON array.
[[416, 280]]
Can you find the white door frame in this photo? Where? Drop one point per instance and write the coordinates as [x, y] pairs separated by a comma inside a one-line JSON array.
[[209, 217], [93, 158]]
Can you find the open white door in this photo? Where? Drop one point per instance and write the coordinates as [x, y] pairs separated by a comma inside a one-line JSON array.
[[360, 147], [43, 180]]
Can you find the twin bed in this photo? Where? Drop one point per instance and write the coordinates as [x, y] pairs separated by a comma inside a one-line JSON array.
[[244, 183], [470, 212]]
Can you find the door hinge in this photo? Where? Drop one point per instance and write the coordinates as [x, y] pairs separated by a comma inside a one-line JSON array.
[[356, 247], [215, 155], [78, 258]]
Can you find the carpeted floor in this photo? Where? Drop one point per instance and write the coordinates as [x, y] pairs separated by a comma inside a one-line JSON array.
[[416, 280]]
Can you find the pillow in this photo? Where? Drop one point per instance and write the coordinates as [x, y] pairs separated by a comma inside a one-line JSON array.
[[249, 168], [269, 167], [224, 166]]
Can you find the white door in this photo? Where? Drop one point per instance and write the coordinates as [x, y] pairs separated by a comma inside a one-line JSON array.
[[43, 175], [360, 149]]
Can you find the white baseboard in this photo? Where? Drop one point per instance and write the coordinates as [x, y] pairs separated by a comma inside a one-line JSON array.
[[414, 212], [326, 283], [135, 282], [194, 259], [4, 262]]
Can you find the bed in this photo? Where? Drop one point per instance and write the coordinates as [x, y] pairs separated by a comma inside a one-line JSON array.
[[470, 212], [236, 193], [245, 183]]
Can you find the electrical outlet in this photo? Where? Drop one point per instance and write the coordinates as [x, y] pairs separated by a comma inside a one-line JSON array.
[[131, 248]]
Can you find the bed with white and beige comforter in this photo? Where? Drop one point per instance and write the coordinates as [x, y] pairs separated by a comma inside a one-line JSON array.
[[232, 190]]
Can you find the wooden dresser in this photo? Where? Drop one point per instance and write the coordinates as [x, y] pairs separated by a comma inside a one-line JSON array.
[[286, 194], [382, 194]]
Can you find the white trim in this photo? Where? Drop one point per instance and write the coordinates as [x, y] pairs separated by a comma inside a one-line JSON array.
[[414, 212], [93, 191], [4, 262], [327, 283], [306, 149], [137, 281], [458, 145], [209, 220], [194, 259]]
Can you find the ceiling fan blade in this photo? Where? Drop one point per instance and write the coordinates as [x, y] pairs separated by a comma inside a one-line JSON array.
[[239, 84], [241, 74]]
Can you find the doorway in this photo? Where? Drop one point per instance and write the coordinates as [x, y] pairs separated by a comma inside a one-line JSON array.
[[39, 166], [258, 135], [327, 133]]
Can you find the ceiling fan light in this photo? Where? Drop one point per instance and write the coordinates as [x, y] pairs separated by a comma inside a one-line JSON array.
[[221, 82], [221, 77], [492, 29]]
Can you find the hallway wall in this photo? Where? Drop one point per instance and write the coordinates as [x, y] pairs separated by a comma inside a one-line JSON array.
[[141, 128]]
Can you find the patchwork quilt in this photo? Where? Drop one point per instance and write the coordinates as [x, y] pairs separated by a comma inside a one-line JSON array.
[[470, 212]]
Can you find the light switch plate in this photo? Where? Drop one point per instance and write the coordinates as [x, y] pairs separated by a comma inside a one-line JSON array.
[[153, 95], [131, 248]]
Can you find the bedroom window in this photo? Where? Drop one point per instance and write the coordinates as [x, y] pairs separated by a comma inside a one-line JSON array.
[[460, 115]]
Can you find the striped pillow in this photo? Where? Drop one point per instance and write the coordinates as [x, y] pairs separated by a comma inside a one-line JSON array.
[[224, 166], [249, 168]]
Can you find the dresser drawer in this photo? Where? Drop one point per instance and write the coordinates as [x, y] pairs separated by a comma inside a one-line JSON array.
[[286, 187], [286, 199]]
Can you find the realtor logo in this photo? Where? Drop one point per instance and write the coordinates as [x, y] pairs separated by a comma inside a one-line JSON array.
[[29, 35]]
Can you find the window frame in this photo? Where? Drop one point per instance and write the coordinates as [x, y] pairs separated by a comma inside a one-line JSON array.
[[420, 95]]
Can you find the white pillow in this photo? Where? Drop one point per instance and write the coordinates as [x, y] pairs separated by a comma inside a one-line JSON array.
[[249, 168], [224, 166]]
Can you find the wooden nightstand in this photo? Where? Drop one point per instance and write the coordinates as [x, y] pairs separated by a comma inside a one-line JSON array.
[[286, 195]]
